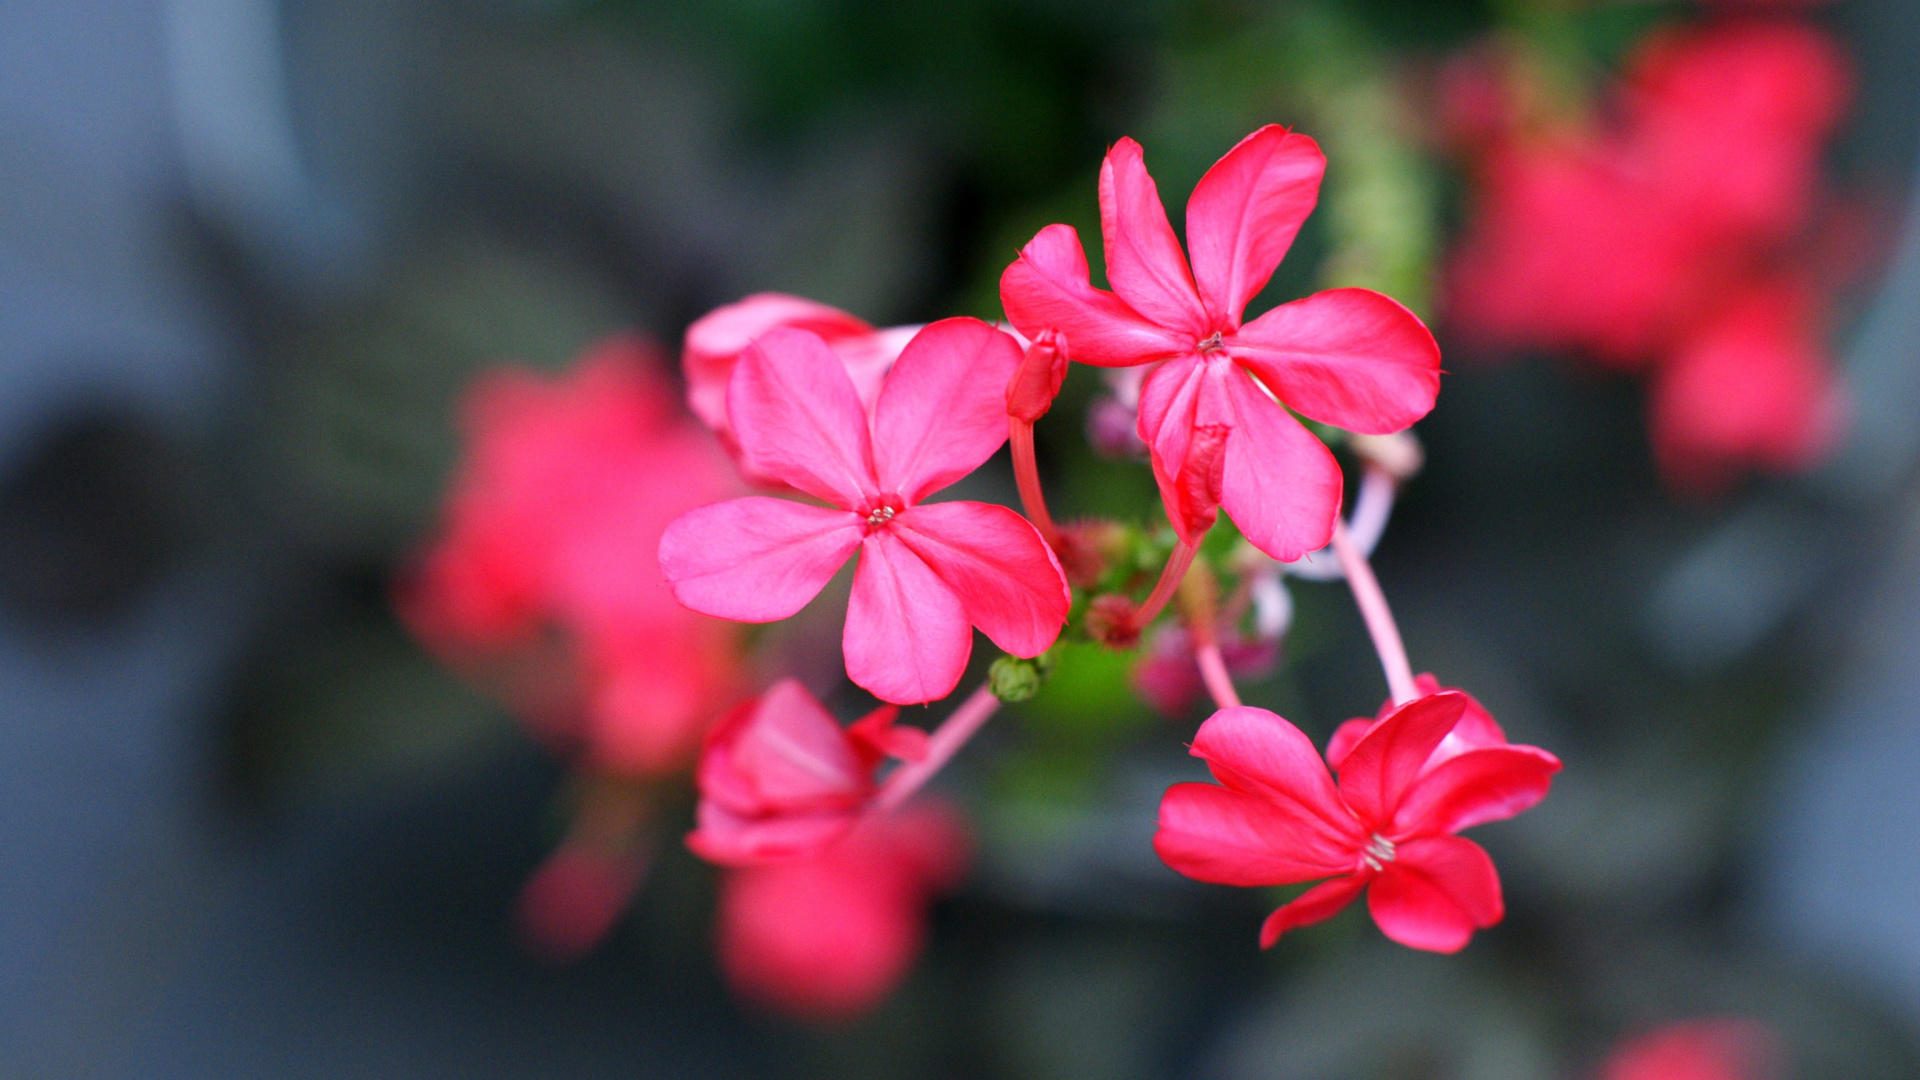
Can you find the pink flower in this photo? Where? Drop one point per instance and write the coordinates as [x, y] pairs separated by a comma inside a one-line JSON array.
[[826, 938], [1750, 386], [1387, 828], [715, 341], [779, 778], [1615, 240], [1565, 250], [1728, 121], [564, 490], [928, 571], [1212, 414], [1697, 1050]]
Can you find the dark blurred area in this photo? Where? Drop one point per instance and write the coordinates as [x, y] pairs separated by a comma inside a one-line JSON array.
[[251, 252]]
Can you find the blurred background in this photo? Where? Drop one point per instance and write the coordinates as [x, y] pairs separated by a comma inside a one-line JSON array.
[[252, 252]]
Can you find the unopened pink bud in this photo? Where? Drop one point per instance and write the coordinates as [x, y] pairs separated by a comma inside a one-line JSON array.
[[1037, 381]]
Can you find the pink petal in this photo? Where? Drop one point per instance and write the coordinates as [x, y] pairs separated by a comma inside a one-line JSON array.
[[870, 356], [1255, 751], [1435, 893], [1345, 738], [1318, 904], [943, 410], [1227, 837], [729, 839], [1379, 768], [755, 559], [1006, 577], [1244, 214], [907, 636], [798, 419], [875, 737], [1186, 421], [1476, 729], [1347, 357], [784, 753], [1144, 262], [715, 341], [1047, 288], [1281, 484], [1476, 787]]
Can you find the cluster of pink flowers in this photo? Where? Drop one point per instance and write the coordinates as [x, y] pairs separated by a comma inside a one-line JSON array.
[[829, 859], [1670, 237], [534, 588]]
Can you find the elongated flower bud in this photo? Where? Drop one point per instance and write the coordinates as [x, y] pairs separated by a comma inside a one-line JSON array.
[[1033, 387]]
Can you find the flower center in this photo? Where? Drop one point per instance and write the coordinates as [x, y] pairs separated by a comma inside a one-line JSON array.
[[1378, 852], [1212, 344], [879, 517]]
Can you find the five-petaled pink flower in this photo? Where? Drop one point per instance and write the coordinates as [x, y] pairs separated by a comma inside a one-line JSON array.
[[1277, 817], [928, 572], [825, 938], [1212, 414], [779, 779], [716, 340]]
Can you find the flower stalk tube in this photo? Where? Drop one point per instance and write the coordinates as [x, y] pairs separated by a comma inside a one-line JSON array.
[[1213, 672], [1379, 617], [1200, 602], [1178, 563], [946, 741], [1026, 472]]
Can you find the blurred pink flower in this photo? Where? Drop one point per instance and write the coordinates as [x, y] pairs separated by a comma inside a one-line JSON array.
[[1657, 240], [928, 572], [715, 341], [1212, 413], [1615, 240], [1277, 818], [826, 938], [1697, 1050], [550, 524], [780, 778], [1750, 386]]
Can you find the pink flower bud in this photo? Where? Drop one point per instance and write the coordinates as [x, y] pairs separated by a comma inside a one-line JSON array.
[[1037, 381]]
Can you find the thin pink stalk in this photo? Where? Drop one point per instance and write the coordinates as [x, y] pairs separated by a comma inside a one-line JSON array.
[[1026, 473], [1379, 617], [1213, 672], [946, 741], [1178, 563]]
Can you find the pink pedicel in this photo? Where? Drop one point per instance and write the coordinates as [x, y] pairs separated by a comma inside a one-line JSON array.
[[1208, 414], [576, 897], [1277, 817], [928, 573]]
